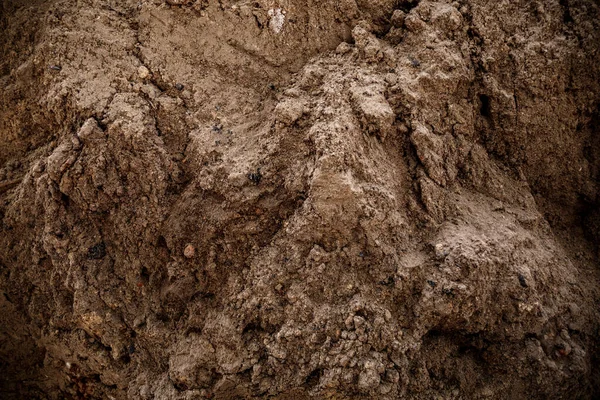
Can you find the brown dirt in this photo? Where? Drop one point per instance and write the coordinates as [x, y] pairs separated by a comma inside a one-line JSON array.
[[333, 200]]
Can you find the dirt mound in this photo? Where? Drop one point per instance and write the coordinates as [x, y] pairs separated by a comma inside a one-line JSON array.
[[345, 199]]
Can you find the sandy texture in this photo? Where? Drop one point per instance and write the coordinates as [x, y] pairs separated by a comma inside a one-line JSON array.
[[333, 200]]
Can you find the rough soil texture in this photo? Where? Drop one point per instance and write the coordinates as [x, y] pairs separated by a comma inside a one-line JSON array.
[[334, 200]]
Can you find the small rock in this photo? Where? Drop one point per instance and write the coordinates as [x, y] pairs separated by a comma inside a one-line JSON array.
[[277, 19], [179, 86], [440, 251], [255, 177], [143, 72], [189, 251]]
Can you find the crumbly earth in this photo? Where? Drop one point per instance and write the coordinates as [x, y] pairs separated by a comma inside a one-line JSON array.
[[353, 199]]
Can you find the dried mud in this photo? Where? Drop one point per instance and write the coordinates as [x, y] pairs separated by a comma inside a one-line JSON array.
[[333, 200]]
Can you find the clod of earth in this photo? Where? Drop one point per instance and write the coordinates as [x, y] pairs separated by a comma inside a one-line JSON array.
[[427, 226]]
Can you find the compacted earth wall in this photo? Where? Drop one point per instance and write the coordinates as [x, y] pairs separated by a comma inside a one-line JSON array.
[[294, 199]]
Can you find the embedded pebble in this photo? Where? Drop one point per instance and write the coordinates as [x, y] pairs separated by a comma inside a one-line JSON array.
[[143, 72], [189, 251]]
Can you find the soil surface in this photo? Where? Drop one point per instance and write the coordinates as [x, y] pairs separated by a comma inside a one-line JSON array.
[[352, 199]]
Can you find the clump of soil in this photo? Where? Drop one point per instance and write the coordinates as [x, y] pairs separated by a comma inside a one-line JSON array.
[[336, 200]]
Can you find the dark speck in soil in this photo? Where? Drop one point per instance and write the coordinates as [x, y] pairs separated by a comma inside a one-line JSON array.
[[97, 251], [255, 177], [522, 281]]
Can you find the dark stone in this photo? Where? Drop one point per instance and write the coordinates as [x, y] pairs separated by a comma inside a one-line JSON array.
[[255, 177]]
